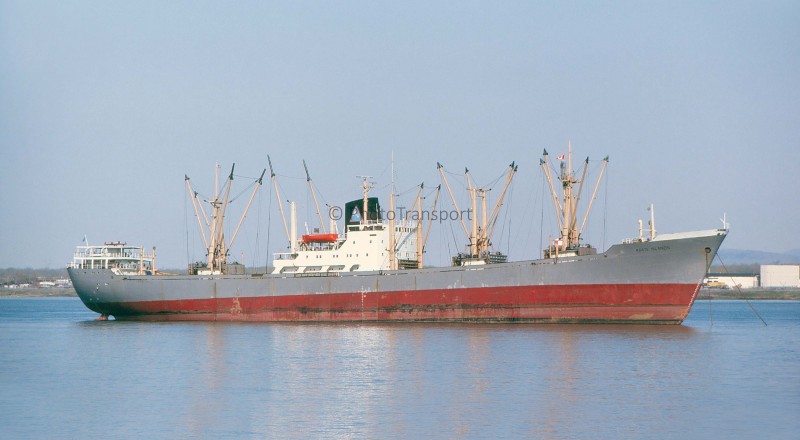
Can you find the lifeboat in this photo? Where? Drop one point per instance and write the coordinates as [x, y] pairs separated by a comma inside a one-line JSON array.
[[320, 238]]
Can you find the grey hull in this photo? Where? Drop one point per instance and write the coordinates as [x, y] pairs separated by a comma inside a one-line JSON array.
[[633, 275]]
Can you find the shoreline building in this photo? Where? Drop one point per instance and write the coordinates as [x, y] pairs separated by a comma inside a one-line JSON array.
[[780, 275]]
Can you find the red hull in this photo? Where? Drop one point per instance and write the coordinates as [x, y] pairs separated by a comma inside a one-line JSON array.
[[623, 303]]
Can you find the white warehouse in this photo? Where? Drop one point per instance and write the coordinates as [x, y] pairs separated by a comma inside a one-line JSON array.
[[780, 275]]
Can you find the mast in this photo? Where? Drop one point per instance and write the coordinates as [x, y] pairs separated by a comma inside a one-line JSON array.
[[216, 180], [574, 219], [365, 187], [545, 164], [483, 228], [392, 238], [365, 212], [569, 200], [641, 237], [567, 214], [278, 196], [473, 195], [193, 195], [419, 228], [430, 221], [293, 237], [440, 168], [652, 221], [480, 238], [216, 247], [416, 205], [512, 170], [212, 239], [247, 208], [314, 196], [594, 193]]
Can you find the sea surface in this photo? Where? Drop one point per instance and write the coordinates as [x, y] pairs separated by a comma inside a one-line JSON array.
[[723, 374]]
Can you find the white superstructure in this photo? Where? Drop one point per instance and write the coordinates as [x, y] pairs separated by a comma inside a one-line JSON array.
[[117, 256], [364, 247]]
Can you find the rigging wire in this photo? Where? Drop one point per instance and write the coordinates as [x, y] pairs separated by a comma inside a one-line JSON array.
[[383, 172], [740, 291], [434, 189], [497, 179], [455, 242], [382, 187], [243, 191], [523, 219], [462, 178], [585, 201], [324, 200], [404, 192], [290, 177], [710, 313]]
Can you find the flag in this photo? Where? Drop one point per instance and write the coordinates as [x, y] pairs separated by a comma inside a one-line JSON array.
[[561, 157]]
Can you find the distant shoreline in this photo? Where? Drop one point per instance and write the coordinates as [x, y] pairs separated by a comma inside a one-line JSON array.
[[705, 294], [38, 293]]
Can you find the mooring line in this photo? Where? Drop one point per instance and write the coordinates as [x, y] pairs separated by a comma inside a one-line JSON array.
[[708, 293], [740, 290]]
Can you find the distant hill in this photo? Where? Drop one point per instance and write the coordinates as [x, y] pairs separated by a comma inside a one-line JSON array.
[[744, 256]]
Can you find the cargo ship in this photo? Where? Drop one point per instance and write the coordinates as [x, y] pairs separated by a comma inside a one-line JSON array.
[[373, 270]]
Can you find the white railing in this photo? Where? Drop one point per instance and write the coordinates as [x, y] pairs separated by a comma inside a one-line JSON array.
[[128, 258]]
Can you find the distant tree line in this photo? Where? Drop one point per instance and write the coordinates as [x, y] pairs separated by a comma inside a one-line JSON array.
[[29, 276], [736, 268]]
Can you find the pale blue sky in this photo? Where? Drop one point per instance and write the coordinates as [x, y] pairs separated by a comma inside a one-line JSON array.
[[105, 106]]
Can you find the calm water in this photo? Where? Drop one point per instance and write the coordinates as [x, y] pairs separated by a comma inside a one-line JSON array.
[[62, 374]]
